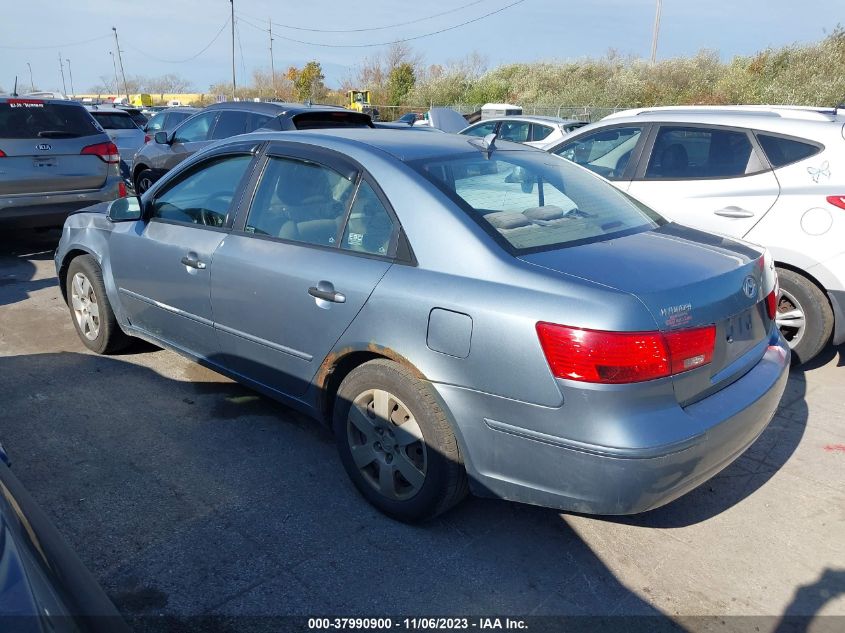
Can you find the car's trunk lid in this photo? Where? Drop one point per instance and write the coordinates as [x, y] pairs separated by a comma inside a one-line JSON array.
[[686, 278]]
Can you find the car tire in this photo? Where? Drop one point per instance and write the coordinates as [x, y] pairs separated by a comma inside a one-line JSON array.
[[144, 180], [90, 310], [804, 315], [410, 473]]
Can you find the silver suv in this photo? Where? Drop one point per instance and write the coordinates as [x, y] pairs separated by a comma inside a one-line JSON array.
[[54, 159]]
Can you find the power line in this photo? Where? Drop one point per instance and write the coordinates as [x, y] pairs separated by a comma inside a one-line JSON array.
[[180, 61], [372, 28], [93, 39], [398, 41]]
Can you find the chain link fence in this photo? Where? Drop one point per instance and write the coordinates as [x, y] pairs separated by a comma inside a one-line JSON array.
[[578, 113]]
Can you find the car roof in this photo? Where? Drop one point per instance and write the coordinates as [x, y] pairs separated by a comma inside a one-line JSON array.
[[5, 98], [401, 144], [531, 118], [273, 107], [107, 110], [798, 113]]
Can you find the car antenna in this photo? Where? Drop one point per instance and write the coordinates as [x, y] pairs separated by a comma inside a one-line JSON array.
[[15, 89]]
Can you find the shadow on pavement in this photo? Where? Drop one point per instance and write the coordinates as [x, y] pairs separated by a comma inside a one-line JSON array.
[[18, 249], [203, 498], [810, 599]]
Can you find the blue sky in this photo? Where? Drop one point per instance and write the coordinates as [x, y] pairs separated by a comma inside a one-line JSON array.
[[531, 30]]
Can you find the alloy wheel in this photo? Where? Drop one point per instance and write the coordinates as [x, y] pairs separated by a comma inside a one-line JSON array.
[[790, 318], [86, 310]]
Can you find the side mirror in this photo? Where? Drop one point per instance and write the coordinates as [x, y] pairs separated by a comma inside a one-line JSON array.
[[160, 137], [125, 209]]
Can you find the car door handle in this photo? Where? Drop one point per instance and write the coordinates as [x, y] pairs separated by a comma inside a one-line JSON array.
[[193, 262], [734, 212], [327, 295]]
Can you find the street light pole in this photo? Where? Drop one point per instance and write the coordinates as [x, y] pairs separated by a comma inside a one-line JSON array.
[[656, 32], [272, 63], [116, 81], [234, 86], [62, 69], [70, 72], [31, 82]]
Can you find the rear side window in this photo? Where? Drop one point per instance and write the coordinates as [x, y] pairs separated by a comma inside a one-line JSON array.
[[693, 153], [531, 201], [31, 118], [114, 121], [783, 151], [229, 123], [300, 201], [539, 132], [370, 228], [256, 121]]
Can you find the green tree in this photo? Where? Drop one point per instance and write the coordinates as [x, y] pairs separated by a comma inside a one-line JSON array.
[[308, 82], [400, 82]]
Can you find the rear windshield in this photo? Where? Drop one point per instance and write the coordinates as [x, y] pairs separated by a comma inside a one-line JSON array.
[[531, 201], [322, 120], [31, 118], [114, 120]]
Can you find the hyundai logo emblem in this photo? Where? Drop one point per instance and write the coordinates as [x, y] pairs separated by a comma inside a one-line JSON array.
[[749, 287], [44, 147]]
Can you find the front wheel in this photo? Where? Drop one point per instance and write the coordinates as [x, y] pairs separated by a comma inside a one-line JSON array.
[[143, 181], [804, 315], [92, 315], [396, 442]]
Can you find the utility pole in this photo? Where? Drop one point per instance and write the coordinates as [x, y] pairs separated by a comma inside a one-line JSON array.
[[272, 65], [62, 69], [31, 82], [120, 60], [234, 86], [72, 91], [114, 65], [656, 32]]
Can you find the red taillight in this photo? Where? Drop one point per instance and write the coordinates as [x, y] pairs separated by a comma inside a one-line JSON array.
[[2, 154], [107, 152], [121, 189], [147, 138], [837, 201], [622, 357], [772, 299]]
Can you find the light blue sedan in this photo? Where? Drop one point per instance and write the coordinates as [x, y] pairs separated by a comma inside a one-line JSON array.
[[466, 314]]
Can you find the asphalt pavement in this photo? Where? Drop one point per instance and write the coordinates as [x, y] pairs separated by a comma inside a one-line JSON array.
[[189, 495]]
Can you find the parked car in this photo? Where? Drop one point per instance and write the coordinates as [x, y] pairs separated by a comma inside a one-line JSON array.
[[464, 314], [769, 175], [54, 159], [139, 117], [409, 118], [122, 130], [222, 120], [43, 584], [166, 119], [538, 131]]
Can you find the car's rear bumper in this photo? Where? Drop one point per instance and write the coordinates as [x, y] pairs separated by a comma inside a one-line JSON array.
[[508, 458], [51, 209]]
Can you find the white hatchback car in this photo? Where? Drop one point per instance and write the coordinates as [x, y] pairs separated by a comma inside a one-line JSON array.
[[773, 175], [537, 131]]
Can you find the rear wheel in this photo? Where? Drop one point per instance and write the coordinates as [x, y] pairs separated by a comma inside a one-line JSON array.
[[92, 315], [396, 442], [804, 315]]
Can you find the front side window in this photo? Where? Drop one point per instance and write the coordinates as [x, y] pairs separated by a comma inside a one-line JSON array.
[[605, 152], [693, 153], [256, 121], [300, 201], [370, 228], [534, 202], [196, 129], [482, 129], [157, 122], [204, 195]]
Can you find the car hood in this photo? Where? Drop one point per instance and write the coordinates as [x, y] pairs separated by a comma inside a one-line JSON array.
[[447, 120]]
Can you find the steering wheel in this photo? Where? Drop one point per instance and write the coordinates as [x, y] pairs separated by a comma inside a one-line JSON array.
[[209, 216]]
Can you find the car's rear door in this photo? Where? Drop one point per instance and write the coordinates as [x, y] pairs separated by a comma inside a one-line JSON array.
[[161, 264], [713, 178], [302, 260], [43, 148]]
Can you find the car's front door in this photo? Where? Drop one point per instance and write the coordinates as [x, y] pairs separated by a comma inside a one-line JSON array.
[[707, 177], [190, 137], [298, 267], [161, 263]]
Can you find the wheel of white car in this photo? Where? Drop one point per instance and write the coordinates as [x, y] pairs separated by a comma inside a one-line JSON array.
[[396, 442], [89, 306], [804, 315]]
